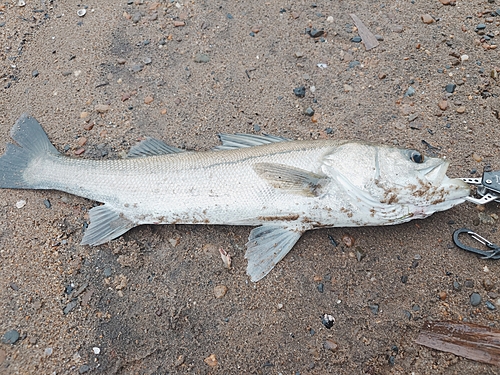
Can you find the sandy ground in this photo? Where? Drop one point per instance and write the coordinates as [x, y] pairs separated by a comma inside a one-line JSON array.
[[146, 303]]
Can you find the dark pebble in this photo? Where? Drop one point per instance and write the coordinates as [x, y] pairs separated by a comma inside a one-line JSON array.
[[481, 26], [469, 283], [136, 68], [475, 299], [229, 16], [457, 286], [14, 286], [473, 171], [354, 64], [380, 38], [392, 360], [251, 33], [320, 287], [374, 308], [256, 128], [2, 24], [490, 306], [415, 308], [309, 111], [450, 88], [408, 314], [68, 289], [47, 204], [356, 39], [332, 241], [300, 91], [329, 131], [107, 272], [10, 337], [440, 70], [83, 369], [312, 331], [404, 279], [328, 321], [70, 306], [316, 33], [34, 73]]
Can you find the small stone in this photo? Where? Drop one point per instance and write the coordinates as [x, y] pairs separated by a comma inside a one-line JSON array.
[[70, 306], [14, 286], [21, 203], [380, 38], [136, 68], [10, 337], [299, 54], [442, 295], [300, 91], [179, 361], [136, 17], [382, 75], [328, 321], [147, 60], [201, 58], [179, 23], [88, 127], [121, 61], [347, 88], [320, 287], [48, 351], [450, 88], [102, 108], [481, 26], [81, 12], [34, 73], [163, 111], [490, 306], [469, 283], [330, 345], [448, 2], [397, 28], [427, 19], [374, 308], [464, 58], [410, 92], [488, 284], [211, 360], [457, 286], [348, 240], [461, 109], [96, 350], [81, 141], [416, 125], [477, 158], [309, 111], [356, 39], [475, 299], [443, 104], [148, 100], [79, 151], [220, 291], [83, 369], [354, 64], [314, 33], [330, 19]]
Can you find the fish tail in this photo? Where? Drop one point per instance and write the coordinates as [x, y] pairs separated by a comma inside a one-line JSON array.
[[31, 145]]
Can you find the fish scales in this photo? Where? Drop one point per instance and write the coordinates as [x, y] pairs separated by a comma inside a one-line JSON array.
[[284, 187]]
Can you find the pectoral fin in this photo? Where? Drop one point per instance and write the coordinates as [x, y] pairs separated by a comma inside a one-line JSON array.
[[266, 246], [105, 225], [293, 180]]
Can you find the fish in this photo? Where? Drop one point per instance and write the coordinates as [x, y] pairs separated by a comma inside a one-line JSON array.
[[280, 186]]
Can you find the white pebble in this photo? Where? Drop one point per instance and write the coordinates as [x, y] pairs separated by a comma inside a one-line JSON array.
[[464, 58], [48, 351], [96, 350], [21, 203], [312, 88], [330, 19]]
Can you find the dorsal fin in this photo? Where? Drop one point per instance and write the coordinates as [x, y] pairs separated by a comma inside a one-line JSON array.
[[234, 141], [152, 147]]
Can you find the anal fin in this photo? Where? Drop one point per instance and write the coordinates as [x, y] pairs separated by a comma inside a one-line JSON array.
[[266, 246], [105, 225]]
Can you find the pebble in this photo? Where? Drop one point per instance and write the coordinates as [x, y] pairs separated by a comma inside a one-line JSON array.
[[300, 91], [330, 19], [328, 321], [148, 100], [475, 299], [34, 73], [21, 203], [211, 360], [356, 39], [179, 23], [14, 286], [136, 17], [81, 12], [490, 305], [427, 19], [354, 64], [299, 55], [448, 2], [374, 309], [136, 68], [320, 287], [397, 28], [457, 286], [380, 38], [147, 60], [481, 26], [348, 240], [79, 151], [461, 109], [256, 128], [410, 92], [220, 291], [442, 295], [48, 351], [309, 111], [10, 337], [107, 272], [330, 345], [488, 284], [464, 58], [201, 58], [450, 88], [96, 350], [443, 104], [83, 369], [347, 88], [102, 108], [70, 306], [47, 204], [469, 283]]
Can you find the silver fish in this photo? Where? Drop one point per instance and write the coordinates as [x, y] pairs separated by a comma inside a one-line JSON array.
[[284, 187]]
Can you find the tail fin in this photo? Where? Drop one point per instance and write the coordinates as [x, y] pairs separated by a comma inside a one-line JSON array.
[[32, 143]]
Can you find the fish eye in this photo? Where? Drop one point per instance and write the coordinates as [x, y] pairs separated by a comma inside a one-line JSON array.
[[416, 157]]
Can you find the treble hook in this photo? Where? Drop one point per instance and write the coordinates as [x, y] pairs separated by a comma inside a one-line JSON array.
[[494, 253]]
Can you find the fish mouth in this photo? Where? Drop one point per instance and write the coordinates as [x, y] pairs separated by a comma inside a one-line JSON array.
[[435, 174], [456, 189]]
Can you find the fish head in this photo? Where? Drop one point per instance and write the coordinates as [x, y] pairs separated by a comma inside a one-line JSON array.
[[390, 179]]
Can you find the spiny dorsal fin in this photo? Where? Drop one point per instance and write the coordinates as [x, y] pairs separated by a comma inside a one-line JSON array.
[[234, 141], [151, 147], [291, 179], [266, 246]]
